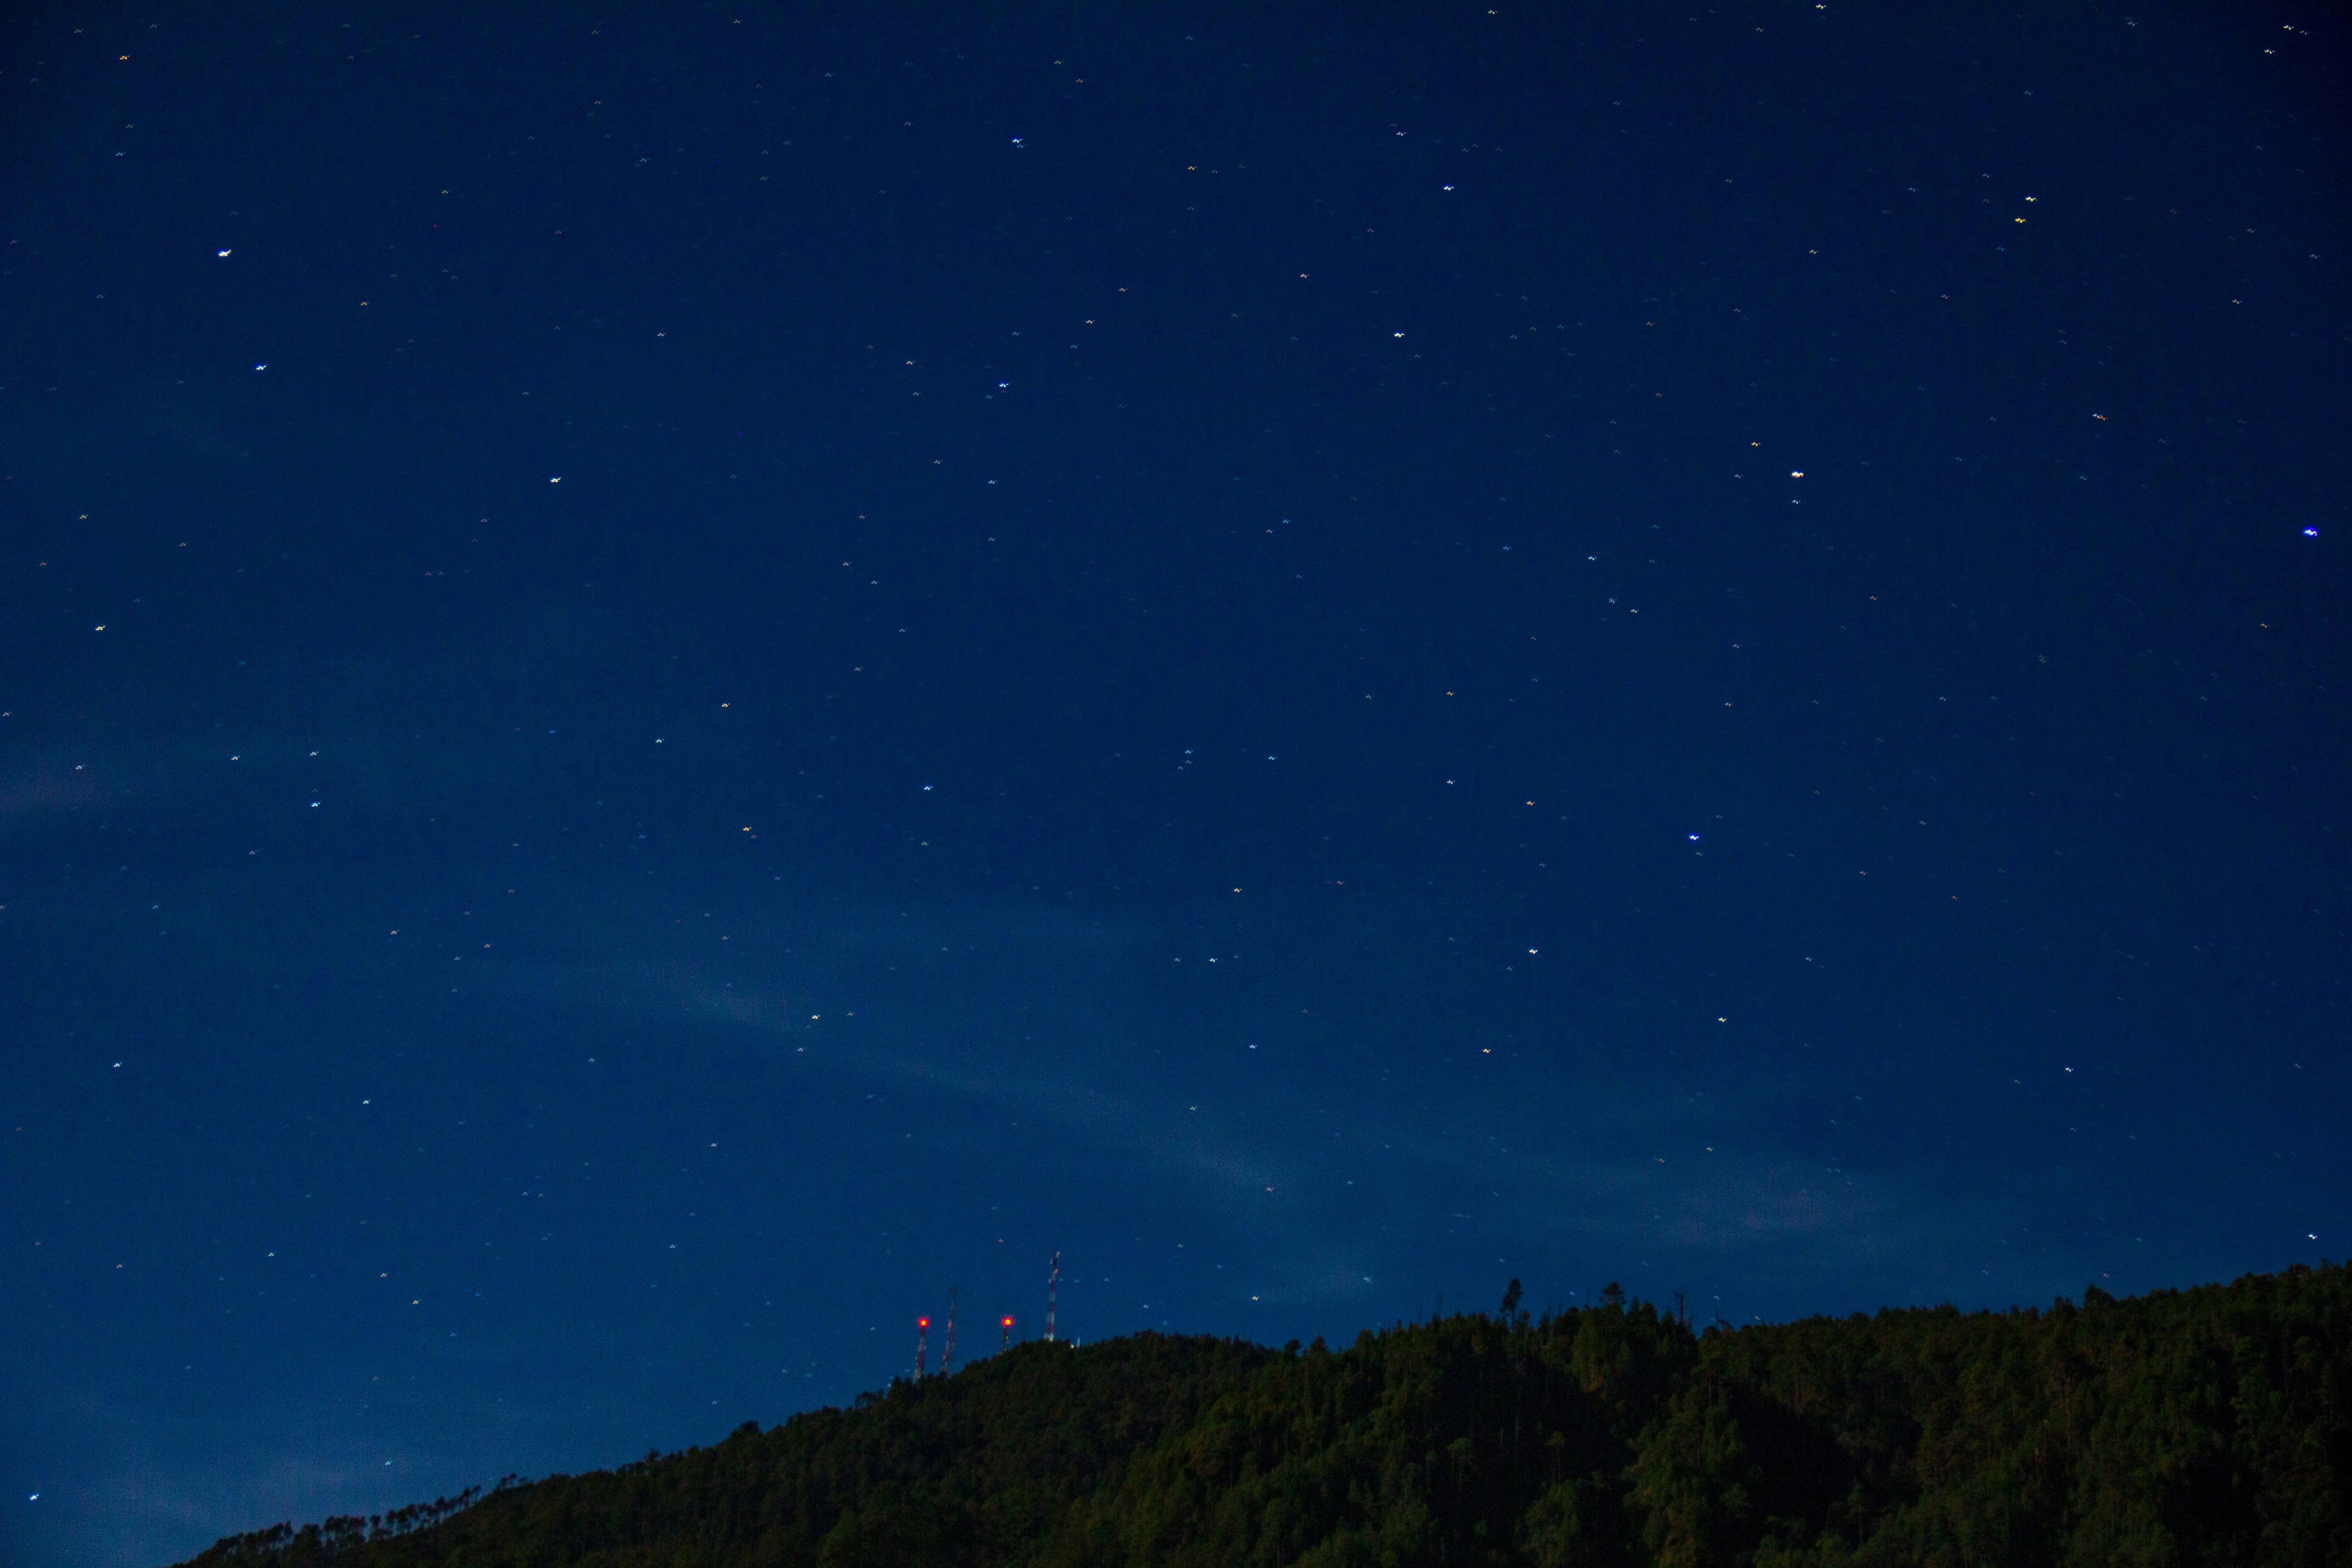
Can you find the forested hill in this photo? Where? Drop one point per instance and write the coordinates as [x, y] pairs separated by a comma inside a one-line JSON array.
[[2205, 1427]]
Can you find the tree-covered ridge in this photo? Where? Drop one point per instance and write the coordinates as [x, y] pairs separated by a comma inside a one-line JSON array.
[[2206, 1427]]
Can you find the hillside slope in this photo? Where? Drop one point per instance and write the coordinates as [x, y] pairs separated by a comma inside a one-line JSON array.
[[2210, 1426]]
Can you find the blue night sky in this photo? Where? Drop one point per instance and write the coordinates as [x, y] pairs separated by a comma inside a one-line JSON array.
[[675, 676]]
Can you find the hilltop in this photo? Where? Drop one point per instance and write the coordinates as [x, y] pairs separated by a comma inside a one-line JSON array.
[[2208, 1425]]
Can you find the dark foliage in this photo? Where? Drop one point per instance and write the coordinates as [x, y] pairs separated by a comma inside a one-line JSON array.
[[2207, 1427]]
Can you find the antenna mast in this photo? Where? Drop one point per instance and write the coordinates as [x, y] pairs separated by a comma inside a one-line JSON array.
[[1006, 1343], [1053, 1281], [922, 1342], [947, 1351]]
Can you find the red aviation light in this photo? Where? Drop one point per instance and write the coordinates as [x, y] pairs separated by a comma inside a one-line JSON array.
[[922, 1322]]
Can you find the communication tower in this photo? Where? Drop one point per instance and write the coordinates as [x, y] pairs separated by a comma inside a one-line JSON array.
[[922, 1342], [1006, 1343], [1053, 1283], [947, 1349]]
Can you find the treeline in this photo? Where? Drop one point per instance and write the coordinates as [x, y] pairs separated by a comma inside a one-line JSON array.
[[2205, 1427]]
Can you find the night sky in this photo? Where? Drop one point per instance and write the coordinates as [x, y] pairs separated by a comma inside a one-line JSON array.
[[674, 677]]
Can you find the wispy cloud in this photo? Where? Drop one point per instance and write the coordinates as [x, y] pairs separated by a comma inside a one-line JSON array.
[[1041, 1019]]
